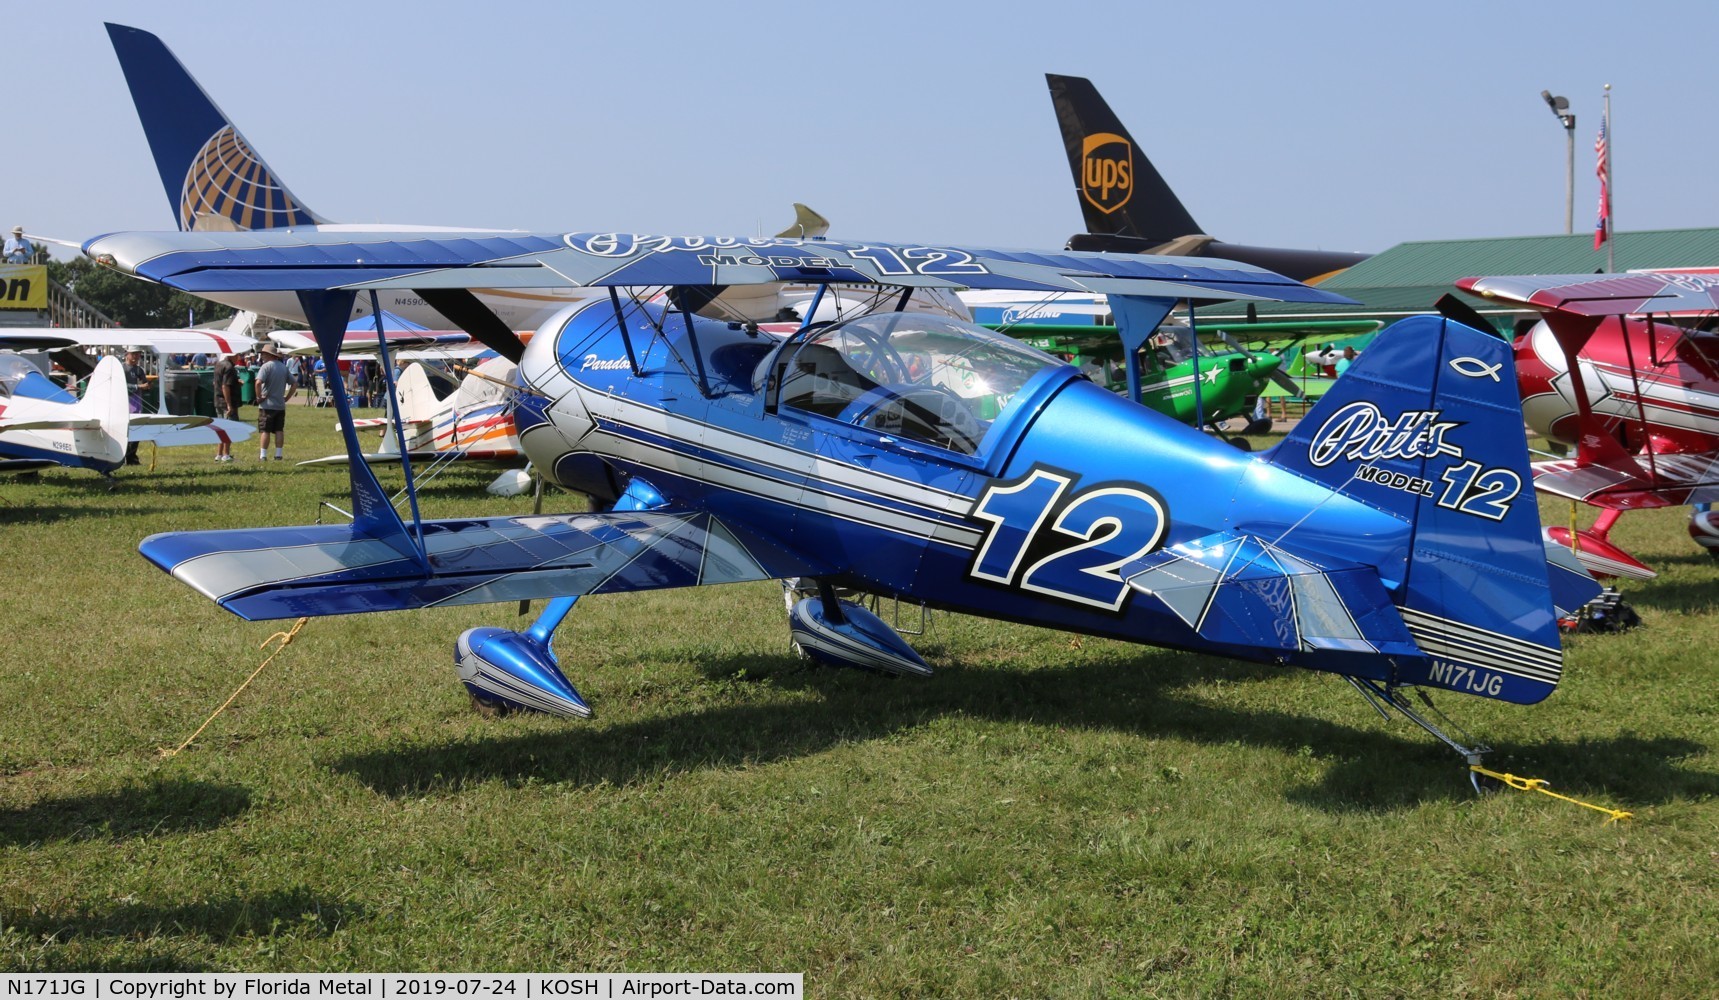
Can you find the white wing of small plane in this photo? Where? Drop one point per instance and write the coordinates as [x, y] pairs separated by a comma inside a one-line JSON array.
[[405, 345], [160, 341]]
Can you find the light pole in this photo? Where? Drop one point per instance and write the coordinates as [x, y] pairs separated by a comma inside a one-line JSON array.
[[1561, 107]]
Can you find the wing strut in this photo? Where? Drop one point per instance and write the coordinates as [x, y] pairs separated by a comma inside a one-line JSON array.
[[1136, 318], [394, 415], [372, 513], [626, 334], [469, 313]]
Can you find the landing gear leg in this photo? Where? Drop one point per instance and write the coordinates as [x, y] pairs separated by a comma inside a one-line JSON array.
[[505, 671], [1383, 696]]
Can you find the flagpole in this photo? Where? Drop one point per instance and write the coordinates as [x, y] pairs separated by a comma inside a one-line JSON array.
[[1611, 190]]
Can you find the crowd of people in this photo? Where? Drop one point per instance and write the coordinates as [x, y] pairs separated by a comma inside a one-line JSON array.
[[276, 382]]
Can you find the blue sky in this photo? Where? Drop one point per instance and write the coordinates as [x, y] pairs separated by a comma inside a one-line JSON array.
[[1345, 126]]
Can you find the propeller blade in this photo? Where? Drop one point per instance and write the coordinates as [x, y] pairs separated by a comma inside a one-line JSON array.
[[1287, 382]]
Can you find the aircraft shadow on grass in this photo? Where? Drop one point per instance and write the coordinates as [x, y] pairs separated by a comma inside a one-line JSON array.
[[1373, 769], [25, 511], [138, 810], [1695, 595], [296, 912]]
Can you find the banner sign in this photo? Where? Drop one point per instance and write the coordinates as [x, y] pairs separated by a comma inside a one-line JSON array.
[[23, 286]]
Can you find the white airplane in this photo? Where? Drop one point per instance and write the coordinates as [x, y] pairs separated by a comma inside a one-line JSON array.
[[473, 422], [164, 429], [42, 424]]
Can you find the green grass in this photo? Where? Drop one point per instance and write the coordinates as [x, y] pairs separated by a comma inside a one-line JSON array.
[[1049, 815]]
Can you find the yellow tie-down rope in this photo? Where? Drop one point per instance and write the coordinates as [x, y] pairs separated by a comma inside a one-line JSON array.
[[1542, 786], [285, 639]]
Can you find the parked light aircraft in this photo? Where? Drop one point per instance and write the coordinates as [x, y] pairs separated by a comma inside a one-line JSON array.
[[1221, 379], [1638, 398], [1386, 540], [44, 424], [1129, 207], [473, 422]]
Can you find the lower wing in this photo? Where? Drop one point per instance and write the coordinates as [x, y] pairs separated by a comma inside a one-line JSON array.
[[340, 569], [1645, 482]]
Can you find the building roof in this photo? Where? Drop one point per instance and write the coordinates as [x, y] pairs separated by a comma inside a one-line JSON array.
[[1410, 277]]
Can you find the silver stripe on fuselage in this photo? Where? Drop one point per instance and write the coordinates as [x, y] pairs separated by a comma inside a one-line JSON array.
[[938, 506]]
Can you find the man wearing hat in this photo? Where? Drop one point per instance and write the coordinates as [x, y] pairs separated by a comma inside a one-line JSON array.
[[18, 249], [227, 391], [273, 391]]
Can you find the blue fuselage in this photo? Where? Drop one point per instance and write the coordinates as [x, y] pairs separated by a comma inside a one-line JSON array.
[[1067, 486]]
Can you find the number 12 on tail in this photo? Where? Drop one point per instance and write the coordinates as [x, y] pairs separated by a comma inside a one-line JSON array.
[[1076, 546]]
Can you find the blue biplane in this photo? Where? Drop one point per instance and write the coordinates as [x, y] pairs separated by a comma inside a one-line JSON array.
[[1388, 539]]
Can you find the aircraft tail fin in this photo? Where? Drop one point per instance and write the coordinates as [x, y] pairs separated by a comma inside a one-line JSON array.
[[808, 225], [213, 178], [1427, 426], [1120, 192], [418, 402], [106, 401]]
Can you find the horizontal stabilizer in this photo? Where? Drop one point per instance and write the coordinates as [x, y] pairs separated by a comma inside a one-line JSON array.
[[51, 424], [340, 569], [1243, 590]]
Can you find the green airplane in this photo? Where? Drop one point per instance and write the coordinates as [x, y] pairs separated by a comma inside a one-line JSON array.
[[1200, 387]]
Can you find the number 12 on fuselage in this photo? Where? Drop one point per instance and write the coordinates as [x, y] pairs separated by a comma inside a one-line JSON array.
[[1076, 546]]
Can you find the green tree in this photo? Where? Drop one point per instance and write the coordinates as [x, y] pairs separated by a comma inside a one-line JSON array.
[[133, 301]]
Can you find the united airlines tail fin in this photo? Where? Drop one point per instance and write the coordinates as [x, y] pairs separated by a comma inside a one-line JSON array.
[[1120, 191], [213, 178], [1427, 426]]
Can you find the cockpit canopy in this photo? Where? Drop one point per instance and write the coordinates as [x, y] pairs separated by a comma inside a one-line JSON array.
[[13, 370], [931, 379]]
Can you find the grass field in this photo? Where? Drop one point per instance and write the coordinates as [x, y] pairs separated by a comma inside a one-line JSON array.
[[1048, 816]]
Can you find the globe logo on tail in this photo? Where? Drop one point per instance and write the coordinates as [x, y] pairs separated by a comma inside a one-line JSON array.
[[228, 188]]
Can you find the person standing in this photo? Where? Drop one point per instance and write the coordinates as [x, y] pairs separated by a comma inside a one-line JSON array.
[[226, 400], [136, 379], [18, 250], [273, 391]]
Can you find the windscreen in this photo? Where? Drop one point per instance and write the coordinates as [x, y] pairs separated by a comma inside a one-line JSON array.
[[931, 379]]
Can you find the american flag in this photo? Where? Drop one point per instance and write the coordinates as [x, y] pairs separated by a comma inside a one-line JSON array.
[[1603, 228]]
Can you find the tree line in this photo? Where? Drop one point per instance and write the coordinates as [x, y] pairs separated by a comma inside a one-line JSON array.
[[133, 302]]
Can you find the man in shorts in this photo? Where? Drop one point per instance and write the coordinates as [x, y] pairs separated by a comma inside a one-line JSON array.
[[273, 391]]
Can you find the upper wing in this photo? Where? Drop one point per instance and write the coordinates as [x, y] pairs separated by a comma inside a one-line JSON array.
[[1662, 292], [342, 569], [26, 339], [344, 259]]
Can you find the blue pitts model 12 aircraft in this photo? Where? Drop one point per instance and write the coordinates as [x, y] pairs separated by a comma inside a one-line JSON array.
[[1390, 538]]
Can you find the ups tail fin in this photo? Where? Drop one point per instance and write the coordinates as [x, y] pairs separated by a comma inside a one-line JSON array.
[[213, 178], [1427, 426], [1120, 192]]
